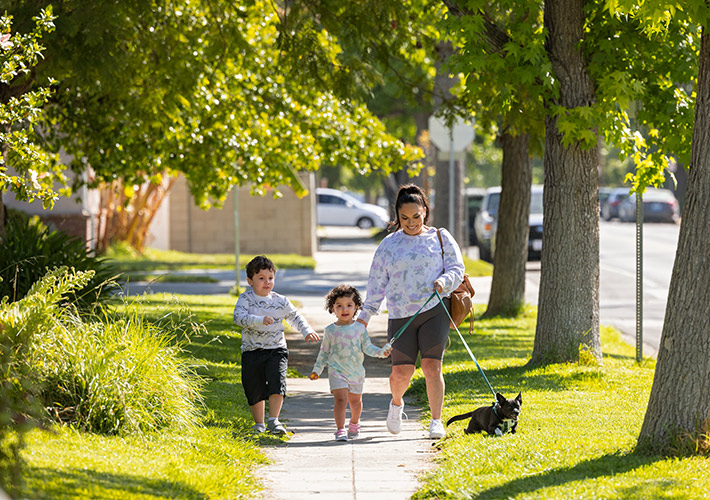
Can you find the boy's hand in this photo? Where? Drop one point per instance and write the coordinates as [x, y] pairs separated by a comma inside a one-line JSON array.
[[268, 320], [312, 337], [314, 376]]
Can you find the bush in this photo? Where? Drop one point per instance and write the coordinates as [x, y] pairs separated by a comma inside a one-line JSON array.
[[29, 249], [117, 375], [21, 323]]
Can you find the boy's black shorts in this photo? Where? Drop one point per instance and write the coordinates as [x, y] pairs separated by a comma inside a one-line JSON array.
[[264, 373]]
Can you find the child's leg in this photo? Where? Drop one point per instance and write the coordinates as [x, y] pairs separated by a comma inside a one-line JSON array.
[[257, 412], [340, 406], [276, 401], [355, 402]]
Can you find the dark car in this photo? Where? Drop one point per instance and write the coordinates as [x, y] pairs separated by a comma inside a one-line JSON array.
[[659, 205], [487, 219], [610, 210]]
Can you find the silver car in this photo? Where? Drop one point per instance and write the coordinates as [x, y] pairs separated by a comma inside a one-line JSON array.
[[336, 208]]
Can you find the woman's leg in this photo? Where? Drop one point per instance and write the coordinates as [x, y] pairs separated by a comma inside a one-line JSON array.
[[355, 402], [435, 385], [340, 406], [399, 382]]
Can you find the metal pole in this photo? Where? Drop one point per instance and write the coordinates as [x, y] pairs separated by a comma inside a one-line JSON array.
[[451, 182], [639, 277], [235, 200]]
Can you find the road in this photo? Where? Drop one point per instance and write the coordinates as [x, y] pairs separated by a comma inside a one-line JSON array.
[[617, 282]]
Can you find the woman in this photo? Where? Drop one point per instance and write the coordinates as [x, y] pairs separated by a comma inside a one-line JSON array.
[[407, 266]]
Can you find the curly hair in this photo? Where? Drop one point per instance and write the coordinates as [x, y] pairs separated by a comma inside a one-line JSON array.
[[342, 291], [257, 264]]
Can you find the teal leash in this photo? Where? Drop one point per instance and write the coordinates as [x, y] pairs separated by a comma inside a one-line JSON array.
[[399, 332]]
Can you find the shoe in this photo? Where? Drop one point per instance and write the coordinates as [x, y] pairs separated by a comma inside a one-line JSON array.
[[258, 428], [341, 435], [394, 418], [353, 431], [436, 430], [276, 427]]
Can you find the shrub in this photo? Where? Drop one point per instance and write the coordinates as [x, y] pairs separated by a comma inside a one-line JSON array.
[[20, 323], [29, 249]]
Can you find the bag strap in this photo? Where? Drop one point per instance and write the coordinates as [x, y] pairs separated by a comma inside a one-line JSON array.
[[465, 282]]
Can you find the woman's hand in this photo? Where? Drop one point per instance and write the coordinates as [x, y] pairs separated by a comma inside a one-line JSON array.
[[362, 322], [438, 286], [312, 337]]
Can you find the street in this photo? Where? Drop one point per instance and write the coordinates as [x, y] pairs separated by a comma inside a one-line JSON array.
[[617, 282]]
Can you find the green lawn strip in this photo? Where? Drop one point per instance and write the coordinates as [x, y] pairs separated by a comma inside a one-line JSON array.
[[476, 268], [576, 434], [215, 461], [152, 259], [168, 278]]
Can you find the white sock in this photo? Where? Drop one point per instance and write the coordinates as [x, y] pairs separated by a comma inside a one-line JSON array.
[[271, 419], [260, 426]]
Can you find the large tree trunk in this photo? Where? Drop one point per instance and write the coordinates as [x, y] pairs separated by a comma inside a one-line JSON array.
[[508, 286], [678, 414], [3, 216], [568, 313]]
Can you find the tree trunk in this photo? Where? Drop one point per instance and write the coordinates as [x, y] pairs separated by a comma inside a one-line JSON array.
[[511, 251], [568, 307], [678, 414], [3, 217]]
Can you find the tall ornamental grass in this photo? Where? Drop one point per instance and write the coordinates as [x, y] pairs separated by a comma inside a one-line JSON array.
[[117, 374]]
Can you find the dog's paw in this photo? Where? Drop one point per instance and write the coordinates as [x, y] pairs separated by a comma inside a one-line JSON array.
[[499, 433]]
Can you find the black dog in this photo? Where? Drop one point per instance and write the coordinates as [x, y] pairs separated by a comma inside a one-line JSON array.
[[496, 420]]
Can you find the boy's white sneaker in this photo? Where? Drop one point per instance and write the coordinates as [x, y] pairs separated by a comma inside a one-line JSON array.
[[394, 418], [436, 430]]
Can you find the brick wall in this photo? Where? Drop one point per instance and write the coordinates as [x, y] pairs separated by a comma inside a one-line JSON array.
[[266, 225]]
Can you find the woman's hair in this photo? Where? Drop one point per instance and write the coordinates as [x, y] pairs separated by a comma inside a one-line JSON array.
[[410, 193], [342, 291]]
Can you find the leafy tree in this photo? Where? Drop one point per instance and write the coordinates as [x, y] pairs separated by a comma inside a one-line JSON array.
[[35, 171], [677, 419], [148, 90]]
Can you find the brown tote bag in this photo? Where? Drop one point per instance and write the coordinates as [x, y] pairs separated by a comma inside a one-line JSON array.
[[461, 298]]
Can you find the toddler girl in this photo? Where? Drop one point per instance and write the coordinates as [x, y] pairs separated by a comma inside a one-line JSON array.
[[344, 343]]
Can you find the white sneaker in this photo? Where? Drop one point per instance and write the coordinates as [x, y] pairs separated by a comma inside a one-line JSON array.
[[436, 430], [394, 418]]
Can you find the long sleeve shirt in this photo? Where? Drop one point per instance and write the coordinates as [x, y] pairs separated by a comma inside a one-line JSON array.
[[405, 268], [249, 313], [343, 351]]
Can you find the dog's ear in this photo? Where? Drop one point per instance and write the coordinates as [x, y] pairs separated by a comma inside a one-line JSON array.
[[501, 399], [519, 398]]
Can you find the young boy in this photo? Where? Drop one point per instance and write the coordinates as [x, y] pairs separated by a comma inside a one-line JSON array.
[[260, 312]]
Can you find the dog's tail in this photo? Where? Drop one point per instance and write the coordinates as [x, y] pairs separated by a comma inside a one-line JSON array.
[[463, 416]]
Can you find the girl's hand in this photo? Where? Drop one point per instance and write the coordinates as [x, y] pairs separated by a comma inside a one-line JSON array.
[[268, 320], [312, 337], [313, 376], [386, 350]]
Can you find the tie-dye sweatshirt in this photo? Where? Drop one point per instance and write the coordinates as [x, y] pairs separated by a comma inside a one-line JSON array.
[[404, 270], [343, 351], [249, 313]]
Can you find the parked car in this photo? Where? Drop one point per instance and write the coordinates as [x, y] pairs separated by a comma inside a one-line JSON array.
[[487, 220], [335, 208], [610, 210], [604, 193], [474, 199], [659, 205]]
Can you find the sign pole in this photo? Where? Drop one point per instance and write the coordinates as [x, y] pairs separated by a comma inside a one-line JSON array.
[[451, 182]]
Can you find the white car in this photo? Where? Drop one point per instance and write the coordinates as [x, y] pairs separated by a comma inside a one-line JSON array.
[[335, 208]]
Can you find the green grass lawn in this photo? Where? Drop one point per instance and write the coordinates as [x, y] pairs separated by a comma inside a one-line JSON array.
[[127, 260], [575, 439], [576, 434]]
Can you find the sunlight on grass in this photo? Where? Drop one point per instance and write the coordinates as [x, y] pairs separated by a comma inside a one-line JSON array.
[[576, 434], [128, 260]]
